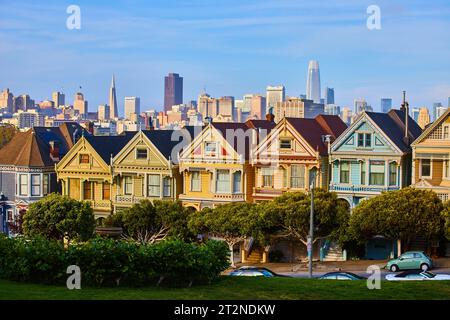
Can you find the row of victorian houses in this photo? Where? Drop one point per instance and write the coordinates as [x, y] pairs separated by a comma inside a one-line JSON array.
[[230, 162]]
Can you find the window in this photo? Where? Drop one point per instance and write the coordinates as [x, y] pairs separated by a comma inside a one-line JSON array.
[[87, 190], [297, 176], [210, 149], [364, 140], [376, 176], [446, 169], [10, 215], [285, 143], [46, 184], [237, 182], [154, 185], [425, 168], [345, 172], [141, 153], [445, 133], [23, 185], [106, 191], [127, 185], [84, 159], [392, 174], [35, 185], [267, 175], [195, 181], [166, 187], [363, 173], [223, 181]]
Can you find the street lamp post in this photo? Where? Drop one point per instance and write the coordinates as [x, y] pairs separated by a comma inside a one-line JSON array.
[[311, 225]]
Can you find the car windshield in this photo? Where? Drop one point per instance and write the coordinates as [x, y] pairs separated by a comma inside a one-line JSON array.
[[428, 274]]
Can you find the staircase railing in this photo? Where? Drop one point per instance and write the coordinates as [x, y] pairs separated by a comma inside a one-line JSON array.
[[324, 249]]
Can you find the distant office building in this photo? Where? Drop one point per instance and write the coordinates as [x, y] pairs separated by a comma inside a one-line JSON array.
[[313, 82], [80, 104], [6, 101], [23, 102], [415, 114], [332, 109], [225, 107], [113, 110], [346, 115], [274, 94], [329, 96], [207, 106], [132, 105], [104, 112], [436, 106], [386, 105], [247, 103], [361, 105], [297, 108], [258, 109], [302, 96], [30, 119], [59, 99], [424, 117], [173, 90]]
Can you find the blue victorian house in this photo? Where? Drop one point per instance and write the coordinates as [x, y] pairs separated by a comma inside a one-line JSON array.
[[373, 155]]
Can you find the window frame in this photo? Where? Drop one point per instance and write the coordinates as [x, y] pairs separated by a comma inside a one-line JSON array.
[[363, 173], [38, 184], [421, 169], [83, 162], [393, 164], [270, 177], [285, 147], [210, 153], [45, 184], [155, 186], [298, 177], [365, 138], [371, 174], [446, 169], [87, 183], [340, 172], [138, 155], [237, 174], [25, 185], [196, 188], [125, 188], [104, 189], [167, 187]]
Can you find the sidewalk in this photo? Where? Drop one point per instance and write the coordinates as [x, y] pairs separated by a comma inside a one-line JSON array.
[[352, 265]]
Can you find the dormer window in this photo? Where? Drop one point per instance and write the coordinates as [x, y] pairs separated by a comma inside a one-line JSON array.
[[364, 140], [210, 149], [84, 159], [141, 153], [285, 144]]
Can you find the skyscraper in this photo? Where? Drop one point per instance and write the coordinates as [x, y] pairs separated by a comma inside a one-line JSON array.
[[438, 110], [386, 104], [103, 112], [113, 112], [132, 105], [58, 99], [6, 100], [424, 117], [173, 91], [258, 110], [274, 95], [361, 105], [80, 104], [313, 82], [415, 114], [329, 95]]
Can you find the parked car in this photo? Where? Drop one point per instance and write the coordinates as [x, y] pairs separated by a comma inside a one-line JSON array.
[[415, 275], [341, 276], [410, 260], [249, 271]]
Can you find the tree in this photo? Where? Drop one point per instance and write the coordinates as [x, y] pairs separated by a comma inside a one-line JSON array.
[[290, 214], [446, 217], [7, 132], [148, 222], [403, 214], [231, 222], [58, 217]]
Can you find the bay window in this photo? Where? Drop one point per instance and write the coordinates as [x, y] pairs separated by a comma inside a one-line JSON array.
[[195, 181], [425, 168], [35, 185], [237, 182], [166, 187], [392, 174], [23, 184], [127, 185]]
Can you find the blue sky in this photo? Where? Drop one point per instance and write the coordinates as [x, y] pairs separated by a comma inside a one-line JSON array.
[[229, 47]]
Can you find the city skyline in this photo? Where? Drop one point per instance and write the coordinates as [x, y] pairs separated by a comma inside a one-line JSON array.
[[362, 63]]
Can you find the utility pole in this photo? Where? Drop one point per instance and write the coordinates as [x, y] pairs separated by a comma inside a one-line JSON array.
[[311, 225]]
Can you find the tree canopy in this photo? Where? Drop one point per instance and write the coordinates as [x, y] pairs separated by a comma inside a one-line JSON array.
[[58, 217], [7, 132]]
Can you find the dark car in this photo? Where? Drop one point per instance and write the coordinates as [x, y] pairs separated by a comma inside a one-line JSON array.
[[255, 272], [341, 276]]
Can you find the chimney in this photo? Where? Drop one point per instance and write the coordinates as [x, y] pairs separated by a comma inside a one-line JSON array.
[[270, 117], [54, 150], [405, 109]]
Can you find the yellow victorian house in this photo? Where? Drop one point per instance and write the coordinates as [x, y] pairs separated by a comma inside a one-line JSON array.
[[284, 160], [85, 172], [431, 158], [146, 168], [216, 166]]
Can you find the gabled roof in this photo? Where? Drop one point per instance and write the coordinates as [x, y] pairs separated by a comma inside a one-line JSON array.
[[431, 127], [32, 148], [109, 146], [393, 125], [313, 130]]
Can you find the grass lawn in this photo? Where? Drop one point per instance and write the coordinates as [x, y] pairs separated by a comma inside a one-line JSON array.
[[240, 288]]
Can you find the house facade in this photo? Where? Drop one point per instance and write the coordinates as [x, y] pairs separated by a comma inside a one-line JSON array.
[[86, 172], [216, 166], [27, 168], [373, 155], [285, 159]]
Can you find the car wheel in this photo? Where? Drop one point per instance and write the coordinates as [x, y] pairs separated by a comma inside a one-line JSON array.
[[394, 268], [424, 267]]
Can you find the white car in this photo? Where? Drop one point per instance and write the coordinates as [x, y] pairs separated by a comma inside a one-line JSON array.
[[416, 275]]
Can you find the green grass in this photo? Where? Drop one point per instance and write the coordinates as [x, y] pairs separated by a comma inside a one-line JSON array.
[[239, 288]]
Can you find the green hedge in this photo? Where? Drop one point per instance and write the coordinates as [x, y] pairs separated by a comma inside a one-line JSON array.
[[107, 262]]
